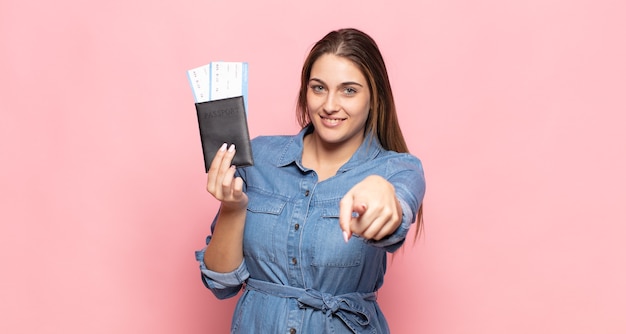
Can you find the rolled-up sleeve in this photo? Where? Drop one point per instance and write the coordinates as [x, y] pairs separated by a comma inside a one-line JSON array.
[[223, 285]]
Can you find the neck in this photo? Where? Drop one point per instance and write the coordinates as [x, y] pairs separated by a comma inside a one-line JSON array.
[[324, 158]]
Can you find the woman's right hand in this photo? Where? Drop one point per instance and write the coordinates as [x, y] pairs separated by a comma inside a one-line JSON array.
[[222, 183], [225, 251]]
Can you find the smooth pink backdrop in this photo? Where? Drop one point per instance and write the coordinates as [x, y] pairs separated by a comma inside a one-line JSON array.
[[517, 109]]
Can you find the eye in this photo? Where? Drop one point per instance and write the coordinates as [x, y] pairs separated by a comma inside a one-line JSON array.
[[317, 88], [349, 91]]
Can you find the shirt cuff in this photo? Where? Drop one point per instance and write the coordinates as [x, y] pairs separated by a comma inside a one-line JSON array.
[[215, 280]]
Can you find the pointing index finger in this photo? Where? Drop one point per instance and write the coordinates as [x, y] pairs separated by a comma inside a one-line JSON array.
[[345, 215]]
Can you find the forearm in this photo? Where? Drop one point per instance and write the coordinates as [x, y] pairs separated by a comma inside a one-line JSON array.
[[225, 251]]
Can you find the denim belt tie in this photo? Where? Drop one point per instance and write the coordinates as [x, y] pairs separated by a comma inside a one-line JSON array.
[[349, 307]]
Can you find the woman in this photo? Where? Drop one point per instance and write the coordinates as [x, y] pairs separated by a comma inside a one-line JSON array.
[[306, 229]]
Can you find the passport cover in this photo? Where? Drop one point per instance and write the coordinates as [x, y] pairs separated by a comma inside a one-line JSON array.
[[224, 121]]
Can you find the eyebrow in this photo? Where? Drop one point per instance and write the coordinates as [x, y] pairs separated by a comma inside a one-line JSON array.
[[347, 83]]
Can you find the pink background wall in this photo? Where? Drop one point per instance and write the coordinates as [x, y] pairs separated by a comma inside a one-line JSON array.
[[517, 109]]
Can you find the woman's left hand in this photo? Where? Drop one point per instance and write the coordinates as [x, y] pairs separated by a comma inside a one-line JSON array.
[[378, 212]]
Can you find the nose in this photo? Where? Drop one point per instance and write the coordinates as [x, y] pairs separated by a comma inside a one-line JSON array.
[[331, 105]]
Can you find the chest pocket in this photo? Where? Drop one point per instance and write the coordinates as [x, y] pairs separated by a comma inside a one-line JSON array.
[[330, 250], [262, 231]]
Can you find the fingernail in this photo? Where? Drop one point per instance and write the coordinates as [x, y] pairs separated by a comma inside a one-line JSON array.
[[346, 237], [231, 148], [223, 147]]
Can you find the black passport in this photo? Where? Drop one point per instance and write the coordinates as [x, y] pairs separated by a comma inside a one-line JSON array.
[[224, 121]]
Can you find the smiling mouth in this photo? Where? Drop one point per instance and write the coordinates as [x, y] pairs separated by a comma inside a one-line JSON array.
[[332, 121]]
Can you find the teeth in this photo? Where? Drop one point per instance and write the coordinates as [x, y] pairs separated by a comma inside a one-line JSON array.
[[332, 120]]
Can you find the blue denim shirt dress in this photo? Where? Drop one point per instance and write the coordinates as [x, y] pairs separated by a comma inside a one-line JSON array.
[[298, 274]]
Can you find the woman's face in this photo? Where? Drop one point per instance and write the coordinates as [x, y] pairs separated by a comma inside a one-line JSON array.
[[338, 101]]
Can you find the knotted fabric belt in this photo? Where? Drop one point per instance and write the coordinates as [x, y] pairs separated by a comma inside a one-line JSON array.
[[349, 307]]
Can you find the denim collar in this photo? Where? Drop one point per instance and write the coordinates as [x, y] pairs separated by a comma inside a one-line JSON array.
[[292, 152]]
